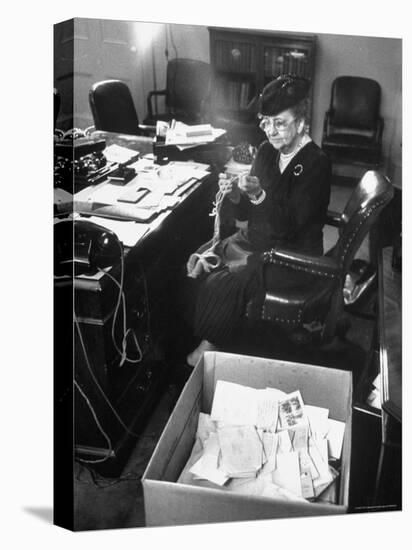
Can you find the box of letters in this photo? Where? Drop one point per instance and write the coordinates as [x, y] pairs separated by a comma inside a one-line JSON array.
[[247, 441]]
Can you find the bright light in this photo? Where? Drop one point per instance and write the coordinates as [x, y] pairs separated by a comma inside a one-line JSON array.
[[145, 34]]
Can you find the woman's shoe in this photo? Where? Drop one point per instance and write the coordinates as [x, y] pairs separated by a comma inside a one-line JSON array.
[[196, 354]]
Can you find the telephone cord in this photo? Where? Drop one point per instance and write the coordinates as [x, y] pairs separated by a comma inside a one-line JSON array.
[[107, 438], [126, 331], [128, 430]]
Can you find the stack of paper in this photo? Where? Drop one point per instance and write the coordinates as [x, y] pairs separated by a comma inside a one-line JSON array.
[[185, 136], [265, 442], [120, 154], [153, 190]]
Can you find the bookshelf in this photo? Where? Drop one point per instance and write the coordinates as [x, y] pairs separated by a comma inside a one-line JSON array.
[[243, 62]]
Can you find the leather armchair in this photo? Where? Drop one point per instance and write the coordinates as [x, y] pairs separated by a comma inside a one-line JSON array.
[[187, 93], [316, 293], [353, 127], [113, 109]]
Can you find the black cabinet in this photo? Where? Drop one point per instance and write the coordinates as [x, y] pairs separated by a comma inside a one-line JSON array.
[[112, 399]]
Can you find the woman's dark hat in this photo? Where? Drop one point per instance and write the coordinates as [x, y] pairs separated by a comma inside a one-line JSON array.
[[283, 93]]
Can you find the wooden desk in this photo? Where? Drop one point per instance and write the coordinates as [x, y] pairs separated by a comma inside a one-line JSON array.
[[85, 348]]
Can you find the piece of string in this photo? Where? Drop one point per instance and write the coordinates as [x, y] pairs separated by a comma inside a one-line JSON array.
[[208, 260]]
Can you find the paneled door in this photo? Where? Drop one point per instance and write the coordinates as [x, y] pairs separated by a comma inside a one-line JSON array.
[[90, 50]]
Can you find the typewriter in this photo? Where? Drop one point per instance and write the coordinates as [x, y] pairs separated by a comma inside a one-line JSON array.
[[79, 161]]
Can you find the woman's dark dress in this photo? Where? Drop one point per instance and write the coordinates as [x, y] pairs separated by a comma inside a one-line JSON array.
[[291, 216]]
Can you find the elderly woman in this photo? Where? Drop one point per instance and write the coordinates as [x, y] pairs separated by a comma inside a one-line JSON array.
[[282, 202]]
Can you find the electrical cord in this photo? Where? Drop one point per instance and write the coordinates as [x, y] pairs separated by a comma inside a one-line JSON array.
[[121, 300], [166, 44], [126, 331], [172, 41], [126, 428], [107, 438], [124, 357], [172, 83]]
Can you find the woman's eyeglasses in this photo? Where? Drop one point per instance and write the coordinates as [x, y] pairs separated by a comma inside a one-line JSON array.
[[271, 122]]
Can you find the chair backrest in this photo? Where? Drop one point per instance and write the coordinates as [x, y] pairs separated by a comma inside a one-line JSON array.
[[113, 108], [355, 102], [362, 211], [188, 85]]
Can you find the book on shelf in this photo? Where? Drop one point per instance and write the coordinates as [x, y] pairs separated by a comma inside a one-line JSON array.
[[244, 95], [279, 62], [235, 56]]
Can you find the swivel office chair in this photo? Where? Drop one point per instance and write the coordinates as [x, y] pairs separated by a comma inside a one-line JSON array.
[[353, 127], [188, 84], [113, 109], [316, 295]]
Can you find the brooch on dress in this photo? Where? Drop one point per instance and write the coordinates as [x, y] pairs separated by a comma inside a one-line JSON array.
[[298, 169]]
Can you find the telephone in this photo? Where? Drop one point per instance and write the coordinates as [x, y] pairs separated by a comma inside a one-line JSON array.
[[79, 161], [82, 247]]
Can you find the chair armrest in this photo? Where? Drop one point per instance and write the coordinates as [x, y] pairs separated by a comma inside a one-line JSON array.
[[333, 218], [323, 266], [149, 100]]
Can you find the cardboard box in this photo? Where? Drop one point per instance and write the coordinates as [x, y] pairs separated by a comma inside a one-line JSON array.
[[169, 503]]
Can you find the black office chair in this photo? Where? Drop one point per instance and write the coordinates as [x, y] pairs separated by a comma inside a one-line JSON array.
[[353, 127], [187, 93], [113, 109], [316, 295]]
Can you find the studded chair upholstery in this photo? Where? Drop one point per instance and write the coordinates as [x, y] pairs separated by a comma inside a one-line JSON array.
[[353, 127], [316, 294], [113, 109]]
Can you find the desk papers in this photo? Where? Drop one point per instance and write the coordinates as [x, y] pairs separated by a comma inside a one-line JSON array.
[[265, 442], [120, 154], [164, 186], [185, 136]]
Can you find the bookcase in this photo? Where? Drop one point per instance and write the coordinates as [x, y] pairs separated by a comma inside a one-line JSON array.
[[243, 62]]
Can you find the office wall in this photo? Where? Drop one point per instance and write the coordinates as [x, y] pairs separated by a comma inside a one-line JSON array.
[[142, 47], [377, 58]]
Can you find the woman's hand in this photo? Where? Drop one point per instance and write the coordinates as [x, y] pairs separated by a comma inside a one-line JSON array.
[[250, 185], [228, 186]]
